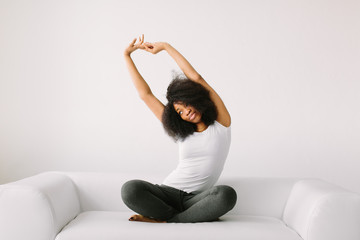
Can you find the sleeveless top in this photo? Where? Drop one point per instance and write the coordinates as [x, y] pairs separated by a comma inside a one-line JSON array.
[[202, 157]]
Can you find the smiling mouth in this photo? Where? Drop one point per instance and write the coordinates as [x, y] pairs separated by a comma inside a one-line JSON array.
[[192, 116]]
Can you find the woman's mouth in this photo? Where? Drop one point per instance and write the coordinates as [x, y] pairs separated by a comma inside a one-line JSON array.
[[192, 116]]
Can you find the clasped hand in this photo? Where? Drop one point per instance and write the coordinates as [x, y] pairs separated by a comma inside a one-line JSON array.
[[153, 48]]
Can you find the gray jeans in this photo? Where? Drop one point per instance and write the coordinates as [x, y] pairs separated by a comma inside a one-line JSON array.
[[165, 203]]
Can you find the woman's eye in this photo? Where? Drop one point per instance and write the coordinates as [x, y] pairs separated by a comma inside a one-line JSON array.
[[180, 112]]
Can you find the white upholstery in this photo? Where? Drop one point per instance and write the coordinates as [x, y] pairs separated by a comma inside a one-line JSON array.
[[69, 206], [101, 191], [260, 196], [321, 211], [37, 208], [95, 225]]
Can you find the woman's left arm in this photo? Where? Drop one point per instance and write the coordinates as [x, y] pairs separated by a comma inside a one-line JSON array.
[[223, 114]]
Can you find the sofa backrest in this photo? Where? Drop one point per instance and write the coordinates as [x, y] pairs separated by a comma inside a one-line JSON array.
[[260, 196], [102, 191], [256, 196]]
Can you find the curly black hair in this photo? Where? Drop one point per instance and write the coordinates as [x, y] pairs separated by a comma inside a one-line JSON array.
[[185, 91]]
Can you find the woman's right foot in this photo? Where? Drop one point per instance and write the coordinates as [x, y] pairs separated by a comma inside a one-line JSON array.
[[141, 218]]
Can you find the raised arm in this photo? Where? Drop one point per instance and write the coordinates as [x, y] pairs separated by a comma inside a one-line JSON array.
[[140, 84], [223, 114]]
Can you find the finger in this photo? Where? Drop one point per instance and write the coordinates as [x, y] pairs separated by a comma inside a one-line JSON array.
[[141, 41], [146, 48], [138, 43], [149, 45], [132, 43]]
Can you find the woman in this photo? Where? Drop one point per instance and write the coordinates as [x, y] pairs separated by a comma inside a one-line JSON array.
[[196, 117]]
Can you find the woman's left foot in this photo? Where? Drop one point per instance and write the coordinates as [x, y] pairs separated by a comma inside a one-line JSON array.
[[140, 218]]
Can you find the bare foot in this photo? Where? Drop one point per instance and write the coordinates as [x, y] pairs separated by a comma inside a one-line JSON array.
[[140, 218]]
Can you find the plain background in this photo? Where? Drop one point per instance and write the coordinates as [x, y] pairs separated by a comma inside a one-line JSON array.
[[287, 70]]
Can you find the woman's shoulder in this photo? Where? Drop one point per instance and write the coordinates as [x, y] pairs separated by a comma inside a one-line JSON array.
[[218, 124], [218, 128]]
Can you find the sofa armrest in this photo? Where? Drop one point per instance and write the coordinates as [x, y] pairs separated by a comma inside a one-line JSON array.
[[37, 207], [317, 210]]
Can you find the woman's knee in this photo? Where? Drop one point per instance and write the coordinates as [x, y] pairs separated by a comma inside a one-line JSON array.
[[228, 196], [130, 190]]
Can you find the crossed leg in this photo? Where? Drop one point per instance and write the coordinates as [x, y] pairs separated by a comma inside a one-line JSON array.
[[208, 205], [153, 204], [148, 200]]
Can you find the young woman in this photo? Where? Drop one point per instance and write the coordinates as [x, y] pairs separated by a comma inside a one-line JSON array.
[[196, 117]]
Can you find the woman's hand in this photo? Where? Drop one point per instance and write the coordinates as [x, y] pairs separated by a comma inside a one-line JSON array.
[[132, 47], [154, 48]]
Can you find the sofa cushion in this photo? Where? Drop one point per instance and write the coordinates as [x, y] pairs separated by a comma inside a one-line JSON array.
[[92, 225]]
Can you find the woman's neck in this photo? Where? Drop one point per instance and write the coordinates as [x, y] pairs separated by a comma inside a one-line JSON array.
[[200, 127]]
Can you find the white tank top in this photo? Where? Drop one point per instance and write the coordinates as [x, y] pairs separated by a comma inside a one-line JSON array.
[[202, 157]]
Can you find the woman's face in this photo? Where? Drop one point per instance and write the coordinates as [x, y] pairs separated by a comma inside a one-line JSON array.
[[187, 112]]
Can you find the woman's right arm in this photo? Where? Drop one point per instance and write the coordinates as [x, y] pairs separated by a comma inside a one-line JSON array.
[[140, 84]]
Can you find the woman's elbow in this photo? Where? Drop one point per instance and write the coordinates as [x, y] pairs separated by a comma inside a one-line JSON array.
[[197, 78], [144, 95]]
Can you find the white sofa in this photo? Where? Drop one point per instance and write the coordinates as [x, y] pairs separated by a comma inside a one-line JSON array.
[[88, 206]]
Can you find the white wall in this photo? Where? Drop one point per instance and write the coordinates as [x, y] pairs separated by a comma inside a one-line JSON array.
[[287, 70]]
